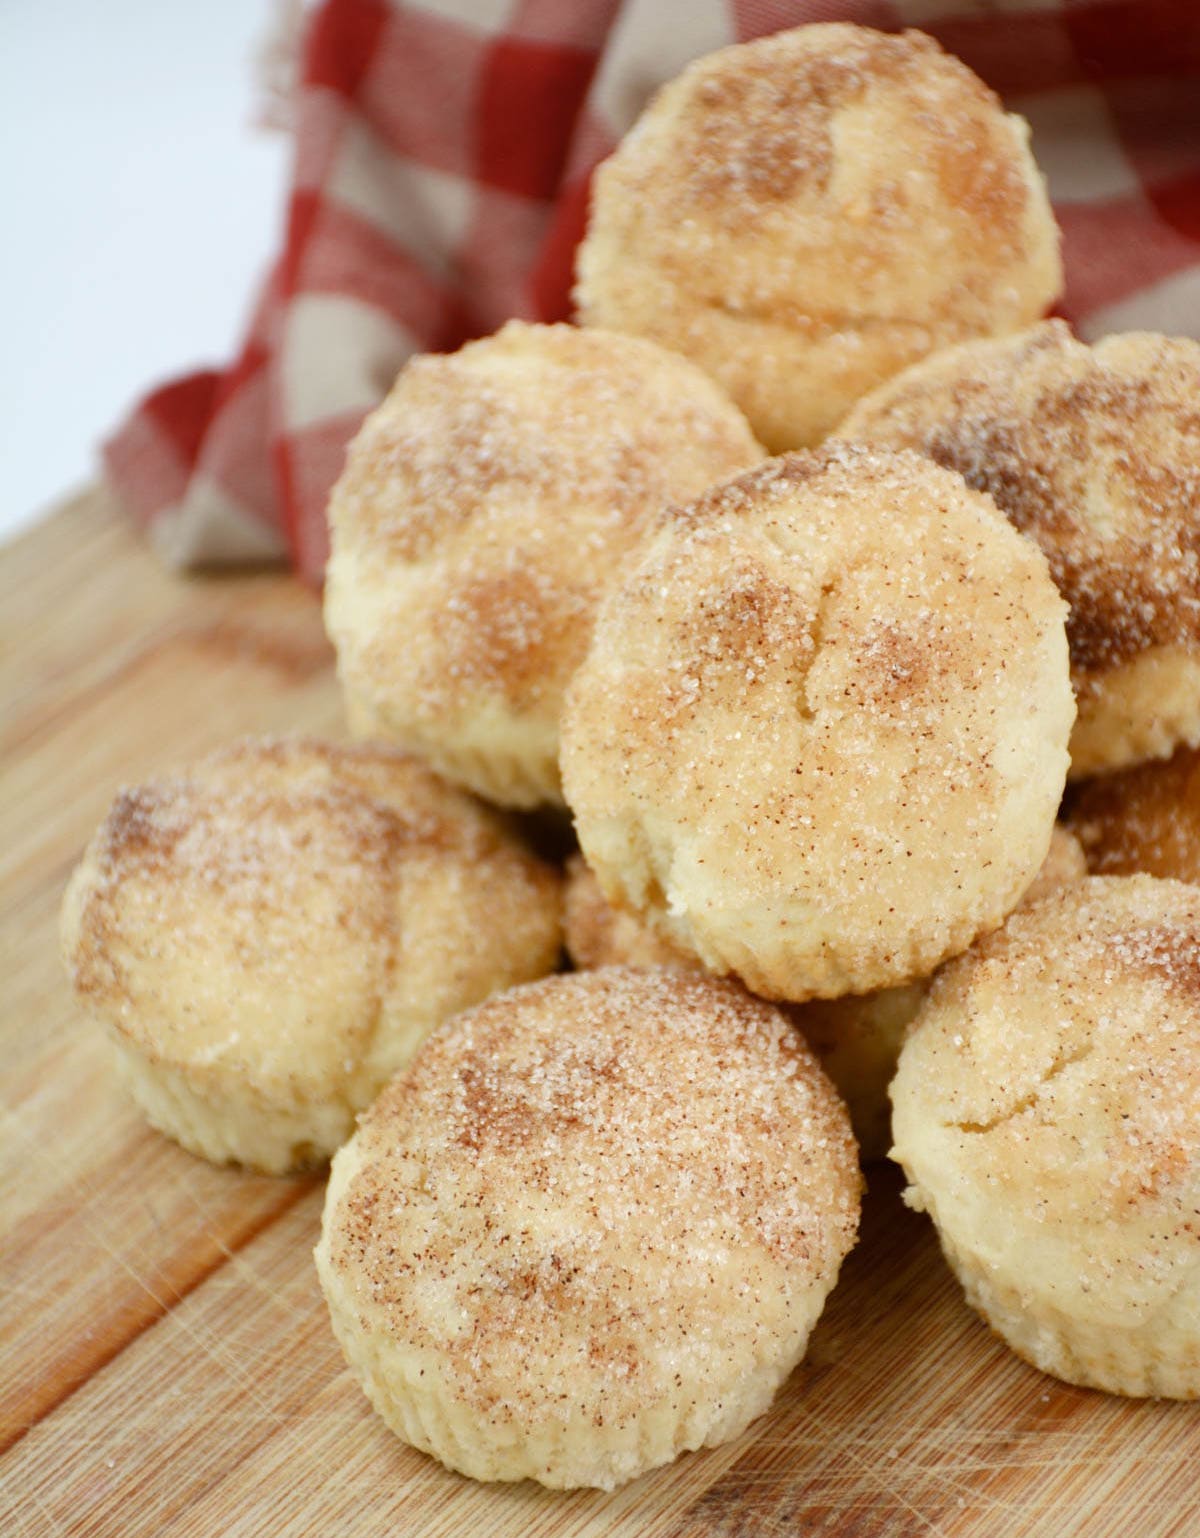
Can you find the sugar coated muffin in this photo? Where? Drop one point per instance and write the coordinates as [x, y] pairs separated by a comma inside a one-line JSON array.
[[1143, 819], [807, 214], [1046, 1111], [269, 934], [590, 1227], [484, 509], [820, 735], [1095, 453]]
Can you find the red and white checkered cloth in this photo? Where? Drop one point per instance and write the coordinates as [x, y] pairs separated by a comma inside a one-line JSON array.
[[442, 157]]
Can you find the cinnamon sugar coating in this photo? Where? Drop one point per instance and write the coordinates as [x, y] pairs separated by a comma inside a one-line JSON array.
[[269, 934], [820, 736], [806, 214], [1095, 453], [857, 1038], [1143, 819], [591, 1226], [1046, 1110], [485, 508]]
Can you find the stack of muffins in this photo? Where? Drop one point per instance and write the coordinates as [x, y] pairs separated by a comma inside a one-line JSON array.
[[811, 717]]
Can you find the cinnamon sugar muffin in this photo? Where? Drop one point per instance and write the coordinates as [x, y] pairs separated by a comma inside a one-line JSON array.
[[1143, 819], [806, 214], [857, 1038], [1095, 453], [268, 935], [590, 1227], [1046, 1111], [485, 508], [820, 735]]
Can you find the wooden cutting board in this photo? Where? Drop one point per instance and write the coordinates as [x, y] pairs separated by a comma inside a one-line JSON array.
[[165, 1362]]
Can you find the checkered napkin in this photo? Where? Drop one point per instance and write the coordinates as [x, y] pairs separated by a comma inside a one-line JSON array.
[[439, 186]]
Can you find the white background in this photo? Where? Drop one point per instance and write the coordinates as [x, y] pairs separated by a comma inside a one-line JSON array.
[[141, 204]]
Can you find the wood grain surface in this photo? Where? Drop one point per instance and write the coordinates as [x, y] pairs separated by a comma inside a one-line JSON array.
[[165, 1361]]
